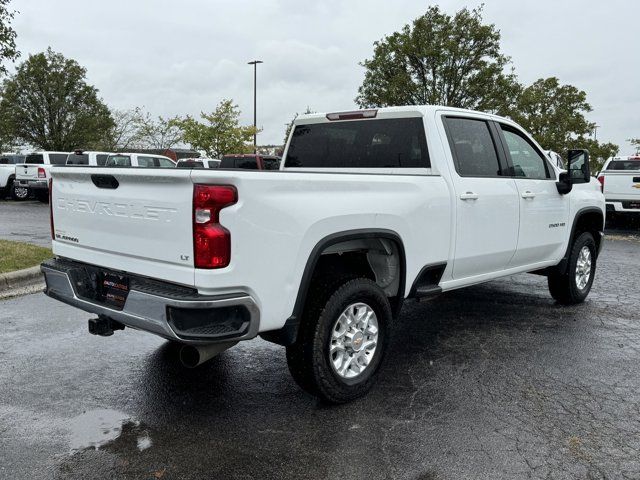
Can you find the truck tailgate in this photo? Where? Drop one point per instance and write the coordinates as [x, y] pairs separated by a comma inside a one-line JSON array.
[[26, 172], [622, 185], [135, 220]]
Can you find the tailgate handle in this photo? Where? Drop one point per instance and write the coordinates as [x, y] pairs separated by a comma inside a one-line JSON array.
[[636, 179], [105, 181]]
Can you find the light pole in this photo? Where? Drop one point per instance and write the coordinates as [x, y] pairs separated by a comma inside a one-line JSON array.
[[255, 74]]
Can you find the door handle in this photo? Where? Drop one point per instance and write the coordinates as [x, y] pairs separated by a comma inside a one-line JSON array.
[[469, 196], [528, 194]]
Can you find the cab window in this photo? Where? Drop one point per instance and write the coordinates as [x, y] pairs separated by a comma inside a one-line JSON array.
[[526, 161], [472, 146], [165, 163]]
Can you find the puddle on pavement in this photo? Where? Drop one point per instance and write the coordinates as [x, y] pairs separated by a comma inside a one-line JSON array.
[[108, 430]]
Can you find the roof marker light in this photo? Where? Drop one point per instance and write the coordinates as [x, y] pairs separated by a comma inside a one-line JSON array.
[[356, 114]]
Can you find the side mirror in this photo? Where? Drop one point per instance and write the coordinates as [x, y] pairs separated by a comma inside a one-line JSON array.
[[578, 161], [564, 184]]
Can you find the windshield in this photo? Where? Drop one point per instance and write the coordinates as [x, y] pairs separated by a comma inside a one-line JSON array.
[[624, 165]]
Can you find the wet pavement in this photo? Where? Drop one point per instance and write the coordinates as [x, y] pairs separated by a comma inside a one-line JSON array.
[[26, 221], [494, 381]]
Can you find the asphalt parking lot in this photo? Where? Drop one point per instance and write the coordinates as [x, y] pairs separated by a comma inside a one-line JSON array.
[[494, 381]]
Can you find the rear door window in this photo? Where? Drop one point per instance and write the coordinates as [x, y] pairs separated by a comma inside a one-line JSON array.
[[101, 159], [164, 163], [118, 161], [58, 158], [383, 143], [146, 162], [473, 148], [271, 163], [77, 159]]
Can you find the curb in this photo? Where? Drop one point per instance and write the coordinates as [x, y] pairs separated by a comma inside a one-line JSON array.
[[20, 281]]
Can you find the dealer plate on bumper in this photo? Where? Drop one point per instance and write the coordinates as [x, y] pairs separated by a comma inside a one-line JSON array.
[[112, 289]]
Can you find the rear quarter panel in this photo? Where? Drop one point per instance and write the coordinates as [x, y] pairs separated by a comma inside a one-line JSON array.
[[282, 215]]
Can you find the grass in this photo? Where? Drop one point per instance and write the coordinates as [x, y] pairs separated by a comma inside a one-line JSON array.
[[18, 255]]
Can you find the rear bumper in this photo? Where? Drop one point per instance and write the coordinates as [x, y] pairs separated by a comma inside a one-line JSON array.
[[164, 309], [622, 206], [34, 184]]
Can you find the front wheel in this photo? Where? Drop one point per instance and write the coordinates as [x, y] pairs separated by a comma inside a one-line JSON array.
[[574, 286], [342, 341]]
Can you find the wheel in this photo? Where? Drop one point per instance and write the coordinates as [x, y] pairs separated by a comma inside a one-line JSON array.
[[42, 196], [342, 340], [19, 193], [574, 286]]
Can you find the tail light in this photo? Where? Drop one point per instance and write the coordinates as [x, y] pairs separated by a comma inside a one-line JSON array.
[[53, 234], [41, 173], [211, 241], [601, 180]]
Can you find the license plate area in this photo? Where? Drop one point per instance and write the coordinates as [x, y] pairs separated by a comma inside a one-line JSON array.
[[112, 289]]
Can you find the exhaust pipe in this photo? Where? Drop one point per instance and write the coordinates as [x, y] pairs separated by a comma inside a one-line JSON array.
[[193, 355]]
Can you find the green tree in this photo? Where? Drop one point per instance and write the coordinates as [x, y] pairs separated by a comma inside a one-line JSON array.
[[635, 143], [157, 133], [555, 115], [8, 50], [440, 60], [48, 104], [219, 133]]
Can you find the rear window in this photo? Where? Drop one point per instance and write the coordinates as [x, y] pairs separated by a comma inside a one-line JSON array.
[[118, 161], [34, 159], [58, 158], [386, 143], [213, 163], [247, 163], [190, 164], [271, 163], [624, 165], [78, 159]]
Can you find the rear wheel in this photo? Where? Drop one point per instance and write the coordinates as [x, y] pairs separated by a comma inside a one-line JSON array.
[[342, 340], [574, 286], [19, 193]]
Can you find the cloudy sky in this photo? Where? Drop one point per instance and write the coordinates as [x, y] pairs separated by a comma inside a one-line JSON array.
[[178, 57]]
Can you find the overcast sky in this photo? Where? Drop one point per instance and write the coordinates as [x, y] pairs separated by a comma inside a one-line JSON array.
[[178, 57]]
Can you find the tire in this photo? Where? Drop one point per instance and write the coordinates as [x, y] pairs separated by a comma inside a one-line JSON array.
[[311, 361], [565, 289], [42, 197], [19, 193]]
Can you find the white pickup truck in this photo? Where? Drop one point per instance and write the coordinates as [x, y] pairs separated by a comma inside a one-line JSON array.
[[33, 175], [369, 208], [8, 175], [620, 180]]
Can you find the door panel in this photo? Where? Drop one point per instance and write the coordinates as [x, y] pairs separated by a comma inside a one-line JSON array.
[[487, 208], [487, 227], [543, 222]]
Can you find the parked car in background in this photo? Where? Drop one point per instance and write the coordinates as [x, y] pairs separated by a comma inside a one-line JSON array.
[[34, 173], [94, 159], [8, 163], [620, 183], [139, 160], [556, 159], [198, 163], [250, 162]]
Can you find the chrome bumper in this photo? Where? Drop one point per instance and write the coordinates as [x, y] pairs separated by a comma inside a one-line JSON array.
[[34, 184], [148, 308]]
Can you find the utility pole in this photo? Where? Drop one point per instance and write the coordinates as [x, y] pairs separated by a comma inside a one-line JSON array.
[[255, 75]]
